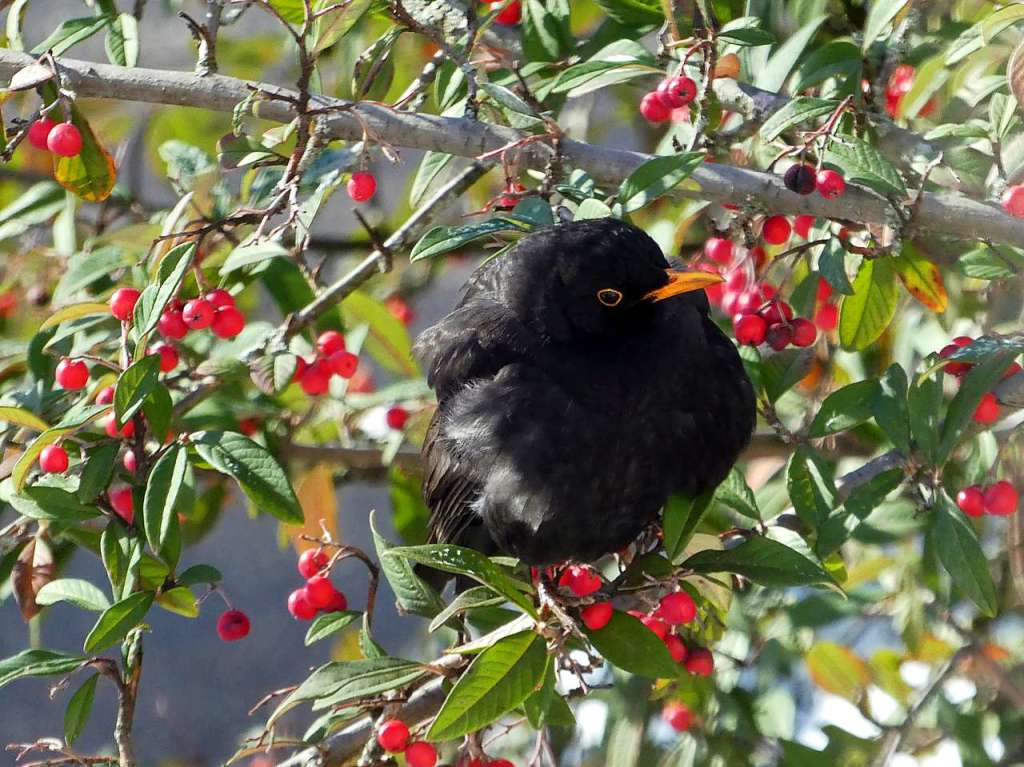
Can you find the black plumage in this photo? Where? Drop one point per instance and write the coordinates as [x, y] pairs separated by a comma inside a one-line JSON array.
[[574, 397]]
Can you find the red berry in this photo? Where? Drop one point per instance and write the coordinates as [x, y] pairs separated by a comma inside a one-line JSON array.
[[319, 591], [64, 140], [72, 374], [719, 250], [311, 562], [498, 763], [678, 716], [232, 625], [315, 379], [597, 615], [776, 312], [106, 396], [750, 329], [827, 317], [758, 256], [954, 368], [776, 230], [988, 409], [123, 504], [824, 291], [39, 131], [122, 303], [799, 178], [338, 603], [736, 281], [677, 608], [361, 186], [653, 109], [1001, 499], [1012, 370], [1013, 201], [700, 662], [779, 336], [53, 459], [219, 298], [971, 501], [656, 625], [830, 184], [399, 309], [393, 736], [172, 325], [362, 383], [129, 461], [343, 363], [677, 91], [802, 226], [300, 367], [804, 332], [748, 302], [510, 14], [397, 416], [420, 754], [110, 426], [248, 426], [299, 606], [329, 342], [228, 322], [676, 648], [198, 314], [168, 357], [580, 580]]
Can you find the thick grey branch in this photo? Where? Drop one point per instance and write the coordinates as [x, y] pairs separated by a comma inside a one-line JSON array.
[[946, 214]]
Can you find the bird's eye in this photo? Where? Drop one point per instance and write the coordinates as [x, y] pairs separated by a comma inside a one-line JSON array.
[[609, 296]]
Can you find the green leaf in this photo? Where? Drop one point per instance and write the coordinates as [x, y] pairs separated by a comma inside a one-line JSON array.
[[120, 553], [329, 624], [991, 262], [36, 205], [37, 663], [861, 163], [443, 239], [430, 167], [249, 253], [836, 669], [865, 315], [52, 503], [680, 519], [374, 70], [794, 112], [810, 488], [79, 707], [78, 592], [332, 25], [763, 561], [388, 341], [97, 470], [463, 561], [133, 386], [924, 407], [772, 76], [844, 408], [470, 599], [746, 35], [863, 499], [21, 417], [545, 30], [69, 33], [74, 312], [960, 553], [159, 410], [596, 74], [197, 574], [499, 679], [257, 472], [180, 601], [832, 265], [546, 707], [628, 644], [412, 593], [889, 407], [836, 58], [880, 16], [633, 13], [781, 371], [154, 298], [656, 177], [117, 620], [165, 483], [122, 41], [735, 493], [981, 379]]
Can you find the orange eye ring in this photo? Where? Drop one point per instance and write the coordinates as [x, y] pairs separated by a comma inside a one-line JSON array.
[[609, 296]]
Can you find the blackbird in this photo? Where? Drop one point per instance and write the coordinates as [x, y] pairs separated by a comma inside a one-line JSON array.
[[580, 383]]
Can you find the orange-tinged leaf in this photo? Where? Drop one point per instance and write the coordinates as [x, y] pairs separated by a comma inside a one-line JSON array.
[[836, 669], [995, 652], [33, 570], [921, 278], [91, 174], [315, 491]]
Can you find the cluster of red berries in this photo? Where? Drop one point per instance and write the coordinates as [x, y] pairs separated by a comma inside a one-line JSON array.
[[678, 716], [63, 139], [988, 408], [318, 593], [672, 93], [332, 359], [999, 499], [900, 82], [233, 625], [361, 186], [802, 179], [510, 15], [773, 323], [393, 737], [215, 310]]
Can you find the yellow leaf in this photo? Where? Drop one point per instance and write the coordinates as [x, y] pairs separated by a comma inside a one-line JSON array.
[[836, 669], [315, 491], [91, 174], [922, 278], [21, 417], [885, 670], [73, 312]]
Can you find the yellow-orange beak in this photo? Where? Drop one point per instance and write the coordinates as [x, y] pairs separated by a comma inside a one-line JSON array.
[[680, 281]]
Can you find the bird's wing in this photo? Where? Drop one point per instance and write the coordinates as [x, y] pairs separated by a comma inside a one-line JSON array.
[[448, 487]]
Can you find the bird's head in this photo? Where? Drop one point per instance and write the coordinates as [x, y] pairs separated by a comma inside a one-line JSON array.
[[594, 277]]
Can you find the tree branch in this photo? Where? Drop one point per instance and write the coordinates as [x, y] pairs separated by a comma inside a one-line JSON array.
[[947, 214]]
